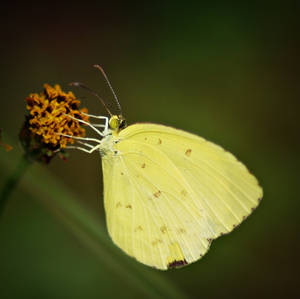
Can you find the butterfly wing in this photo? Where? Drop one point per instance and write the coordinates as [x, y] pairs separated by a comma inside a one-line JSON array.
[[168, 193]]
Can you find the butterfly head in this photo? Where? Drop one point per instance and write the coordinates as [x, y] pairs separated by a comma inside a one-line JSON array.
[[117, 123]]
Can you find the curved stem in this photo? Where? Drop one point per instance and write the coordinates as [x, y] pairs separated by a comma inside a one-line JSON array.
[[12, 181]]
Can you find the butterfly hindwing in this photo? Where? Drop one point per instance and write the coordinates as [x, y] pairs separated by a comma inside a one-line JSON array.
[[168, 193]]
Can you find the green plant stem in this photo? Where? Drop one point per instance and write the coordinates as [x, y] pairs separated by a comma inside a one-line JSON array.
[[13, 181]]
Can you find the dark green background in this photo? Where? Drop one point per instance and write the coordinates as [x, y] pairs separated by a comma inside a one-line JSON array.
[[229, 73]]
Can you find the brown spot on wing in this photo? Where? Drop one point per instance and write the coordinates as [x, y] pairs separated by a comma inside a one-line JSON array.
[[122, 173], [155, 242], [157, 194], [138, 228], [188, 152], [143, 165], [163, 229], [159, 141], [128, 207], [181, 230], [176, 264], [183, 192]]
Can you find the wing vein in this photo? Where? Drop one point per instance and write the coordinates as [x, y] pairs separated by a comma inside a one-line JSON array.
[[214, 169], [149, 212], [184, 241], [183, 179]]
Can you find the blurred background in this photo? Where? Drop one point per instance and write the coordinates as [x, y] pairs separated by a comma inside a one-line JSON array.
[[229, 73]]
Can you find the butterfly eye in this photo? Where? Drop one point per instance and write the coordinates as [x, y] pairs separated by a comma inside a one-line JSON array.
[[122, 124]]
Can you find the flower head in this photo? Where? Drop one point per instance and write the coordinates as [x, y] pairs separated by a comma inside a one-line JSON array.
[[49, 118], [52, 114]]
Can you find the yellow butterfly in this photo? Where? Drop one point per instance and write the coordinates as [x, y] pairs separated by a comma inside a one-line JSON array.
[[169, 193]]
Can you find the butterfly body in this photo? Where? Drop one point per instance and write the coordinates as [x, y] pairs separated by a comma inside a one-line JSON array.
[[169, 193]]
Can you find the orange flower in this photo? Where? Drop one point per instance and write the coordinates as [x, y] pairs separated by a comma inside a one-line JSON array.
[[49, 112]]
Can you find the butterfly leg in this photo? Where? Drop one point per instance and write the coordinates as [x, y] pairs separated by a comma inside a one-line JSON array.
[[89, 151], [98, 125], [105, 126], [79, 138], [86, 144], [81, 148], [86, 123]]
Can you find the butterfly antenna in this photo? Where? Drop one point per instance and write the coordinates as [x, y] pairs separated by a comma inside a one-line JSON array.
[[78, 84], [97, 66]]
